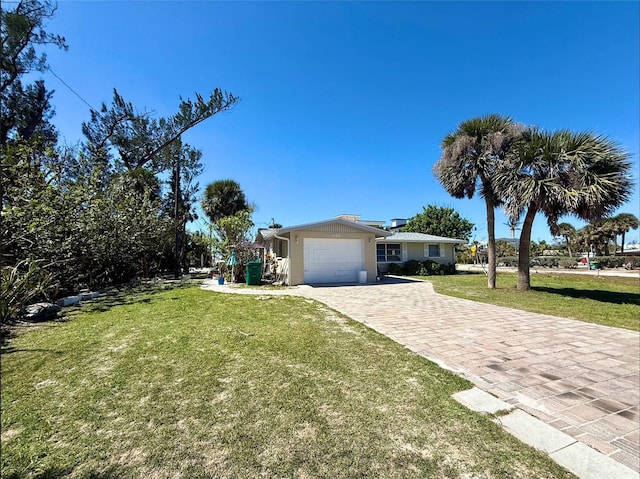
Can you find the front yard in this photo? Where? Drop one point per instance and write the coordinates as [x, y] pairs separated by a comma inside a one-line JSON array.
[[190, 383], [606, 300]]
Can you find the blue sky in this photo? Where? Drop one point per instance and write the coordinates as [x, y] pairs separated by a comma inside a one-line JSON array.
[[344, 105]]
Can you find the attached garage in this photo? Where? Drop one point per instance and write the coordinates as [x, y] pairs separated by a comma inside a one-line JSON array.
[[332, 260], [333, 251]]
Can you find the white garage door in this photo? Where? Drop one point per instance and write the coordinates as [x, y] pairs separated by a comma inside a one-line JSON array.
[[332, 260]]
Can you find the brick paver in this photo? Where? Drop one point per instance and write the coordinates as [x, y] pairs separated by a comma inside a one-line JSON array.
[[579, 377]]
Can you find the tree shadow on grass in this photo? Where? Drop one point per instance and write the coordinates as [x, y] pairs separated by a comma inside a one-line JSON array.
[[594, 294], [116, 296], [54, 472], [122, 296]]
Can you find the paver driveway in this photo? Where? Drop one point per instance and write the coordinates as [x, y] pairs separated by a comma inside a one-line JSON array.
[[580, 378]]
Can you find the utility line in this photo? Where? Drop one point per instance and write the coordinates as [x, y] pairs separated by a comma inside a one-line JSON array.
[[72, 90]]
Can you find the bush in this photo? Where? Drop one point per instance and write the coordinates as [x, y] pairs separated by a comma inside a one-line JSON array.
[[511, 261], [546, 261], [425, 268], [629, 262], [430, 267], [411, 268], [22, 284], [395, 269], [568, 263]]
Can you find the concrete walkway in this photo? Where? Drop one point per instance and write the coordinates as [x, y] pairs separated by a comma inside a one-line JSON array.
[[580, 378]]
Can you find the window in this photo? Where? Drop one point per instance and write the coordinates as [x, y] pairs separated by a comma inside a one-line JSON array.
[[434, 250], [388, 252]]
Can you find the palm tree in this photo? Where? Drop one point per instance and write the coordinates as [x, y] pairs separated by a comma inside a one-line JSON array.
[[561, 173], [513, 225], [470, 157], [568, 232], [594, 238], [223, 198], [622, 224]]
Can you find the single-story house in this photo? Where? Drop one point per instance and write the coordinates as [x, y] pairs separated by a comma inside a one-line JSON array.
[[402, 247], [340, 250], [332, 251]]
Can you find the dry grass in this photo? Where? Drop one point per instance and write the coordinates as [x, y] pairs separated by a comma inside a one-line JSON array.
[[189, 383]]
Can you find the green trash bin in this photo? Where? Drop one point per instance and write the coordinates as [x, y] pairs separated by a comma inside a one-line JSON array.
[[254, 272]]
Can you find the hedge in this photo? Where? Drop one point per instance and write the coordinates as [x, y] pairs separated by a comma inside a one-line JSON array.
[[629, 262], [424, 268]]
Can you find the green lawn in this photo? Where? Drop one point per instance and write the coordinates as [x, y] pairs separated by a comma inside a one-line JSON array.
[[191, 383], [608, 300]]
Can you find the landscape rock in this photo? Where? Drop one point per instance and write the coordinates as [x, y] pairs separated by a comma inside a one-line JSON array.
[[41, 312]]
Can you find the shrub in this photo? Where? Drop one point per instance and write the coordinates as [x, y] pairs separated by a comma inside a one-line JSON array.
[[395, 269], [568, 263], [631, 262], [546, 261], [411, 268], [22, 284], [430, 267], [509, 261]]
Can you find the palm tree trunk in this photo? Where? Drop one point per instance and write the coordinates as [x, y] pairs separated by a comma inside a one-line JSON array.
[[491, 245], [622, 244], [524, 278]]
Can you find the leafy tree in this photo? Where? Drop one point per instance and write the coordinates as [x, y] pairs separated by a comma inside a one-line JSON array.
[[99, 214], [181, 197], [505, 248], [22, 30], [233, 233], [439, 221], [26, 134], [223, 198], [137, 140], [560, 173], [538, 249], [227, 208], [470, 157], [198, 248]]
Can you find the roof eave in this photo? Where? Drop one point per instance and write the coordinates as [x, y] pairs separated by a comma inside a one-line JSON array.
[[368, 229]]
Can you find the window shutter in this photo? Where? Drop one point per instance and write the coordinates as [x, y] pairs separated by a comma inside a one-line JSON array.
[[405, 255], [442, 250], [426, 250]]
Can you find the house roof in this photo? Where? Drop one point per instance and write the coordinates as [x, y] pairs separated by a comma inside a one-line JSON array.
[[268, 233], [418, 238]]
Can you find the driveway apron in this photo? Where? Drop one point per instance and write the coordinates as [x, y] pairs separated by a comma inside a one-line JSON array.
[[580, 378]]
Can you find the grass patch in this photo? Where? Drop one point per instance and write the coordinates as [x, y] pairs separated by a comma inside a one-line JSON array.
[[607, 300], [191, 383]]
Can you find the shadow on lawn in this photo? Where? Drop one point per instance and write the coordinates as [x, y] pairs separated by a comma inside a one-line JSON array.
[[117, 296], [594, 294], [124, 296], [110, 472]]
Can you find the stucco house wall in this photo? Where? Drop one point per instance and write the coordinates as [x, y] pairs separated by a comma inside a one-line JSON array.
[[290, 258], [413, 246], [297, 252]]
